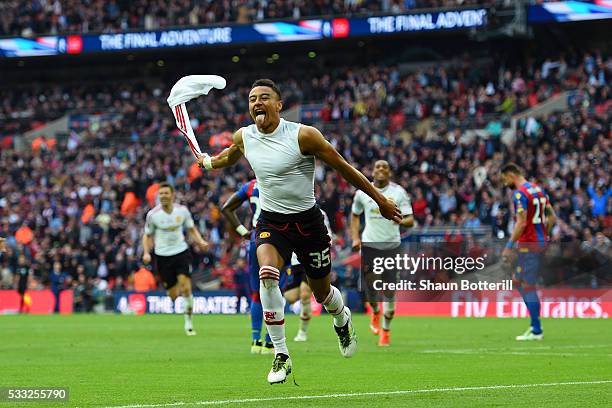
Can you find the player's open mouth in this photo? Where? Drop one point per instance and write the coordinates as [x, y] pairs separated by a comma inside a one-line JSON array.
[[260, 114]]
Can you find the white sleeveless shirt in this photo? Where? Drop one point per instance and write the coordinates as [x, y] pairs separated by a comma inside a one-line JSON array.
[[285, 177]]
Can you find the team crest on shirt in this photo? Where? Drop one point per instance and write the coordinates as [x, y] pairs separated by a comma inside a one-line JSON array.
[[518, 196], [178, 218], [264, 234]]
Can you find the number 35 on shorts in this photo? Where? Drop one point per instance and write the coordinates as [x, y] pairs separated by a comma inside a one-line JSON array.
[[319, 259]]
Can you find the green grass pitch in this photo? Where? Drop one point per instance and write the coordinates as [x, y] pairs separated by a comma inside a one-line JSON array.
[[147, 361]]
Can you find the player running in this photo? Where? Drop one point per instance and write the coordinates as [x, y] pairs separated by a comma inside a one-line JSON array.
[[380, 230], [164, 230], [535, 217], [282, 155], [249, 192]]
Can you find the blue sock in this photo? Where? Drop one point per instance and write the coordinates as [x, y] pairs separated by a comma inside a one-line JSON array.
[[256, 319], [532, 301], [268, 339]]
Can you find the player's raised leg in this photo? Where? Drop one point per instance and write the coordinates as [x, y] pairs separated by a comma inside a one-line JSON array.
[[184, 283], [331, 298], [273, 304]]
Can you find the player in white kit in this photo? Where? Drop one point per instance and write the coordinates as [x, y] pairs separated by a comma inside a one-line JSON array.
[[282, 155], [379, 230], [164, 231]]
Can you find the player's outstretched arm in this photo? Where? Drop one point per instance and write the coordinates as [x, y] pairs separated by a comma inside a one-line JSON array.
[[227, 157], [312, 142], [229, 212]]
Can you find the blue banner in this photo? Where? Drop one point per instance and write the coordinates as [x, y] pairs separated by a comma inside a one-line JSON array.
[[209, 302], [212, 302], [278, 31], [568, 11]]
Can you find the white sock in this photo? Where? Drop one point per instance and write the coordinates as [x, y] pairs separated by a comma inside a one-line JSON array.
[[188, 303], [305, 314], [188, 300], [388, 312], [335, 307], [273, 305], [188, 323]]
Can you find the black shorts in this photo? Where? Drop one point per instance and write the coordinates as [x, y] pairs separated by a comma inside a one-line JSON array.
[[295, 275], [303, 233], [169, 267]]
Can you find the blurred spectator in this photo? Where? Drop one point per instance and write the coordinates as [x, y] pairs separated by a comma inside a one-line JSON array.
[[83, 294], [21, 284], [144, 280], [58, 283], [599, 199]]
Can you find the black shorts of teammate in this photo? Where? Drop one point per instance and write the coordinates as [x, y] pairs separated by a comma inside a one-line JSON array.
[[295, 276], [170, 267], [22, 287], [303, 233]]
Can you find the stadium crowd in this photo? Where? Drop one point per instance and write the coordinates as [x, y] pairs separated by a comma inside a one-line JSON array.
[[75, 207], [463, 92], [33, 17]]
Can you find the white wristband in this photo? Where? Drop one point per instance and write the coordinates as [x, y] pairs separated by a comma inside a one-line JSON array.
[[207, 162], [241, 230]]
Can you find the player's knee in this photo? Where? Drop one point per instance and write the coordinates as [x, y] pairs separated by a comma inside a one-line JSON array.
[[529, 287], [269, 276], [173, 293], [321, 297]]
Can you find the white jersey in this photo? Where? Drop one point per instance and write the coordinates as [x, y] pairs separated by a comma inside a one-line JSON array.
[[285, 177], [294, 258], [167, 229], [378, 228]]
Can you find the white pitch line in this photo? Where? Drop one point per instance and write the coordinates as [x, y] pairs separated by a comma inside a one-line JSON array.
[[360, 394], [526, 348], [525, 353]]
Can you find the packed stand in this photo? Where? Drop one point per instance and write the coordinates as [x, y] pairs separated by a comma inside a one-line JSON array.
[[75, 207], [34, 17], [462, 92]]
